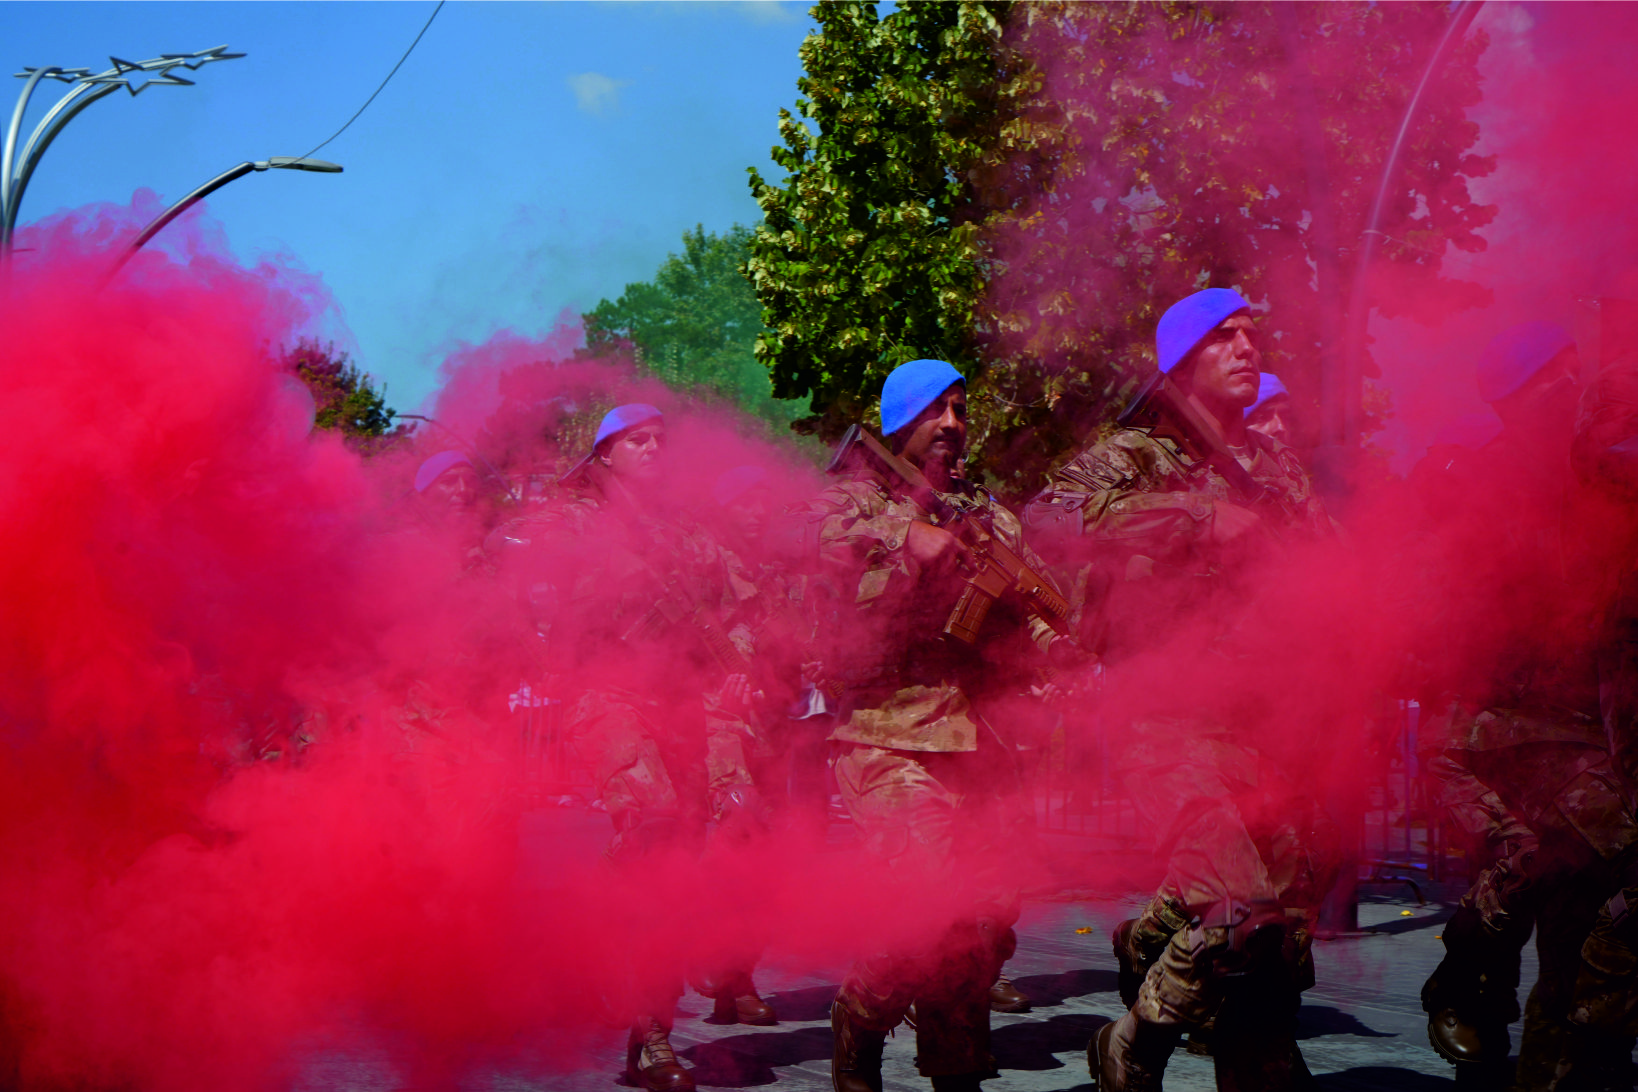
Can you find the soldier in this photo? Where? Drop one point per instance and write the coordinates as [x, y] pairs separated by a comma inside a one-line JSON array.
[[931, 784], [1173, 516], [1604, 1002], [1270, 414], [635, 622], [779, 606], [1523, 760]]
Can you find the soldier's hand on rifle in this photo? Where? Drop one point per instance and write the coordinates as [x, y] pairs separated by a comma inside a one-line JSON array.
[[736, 693], [936, 550]]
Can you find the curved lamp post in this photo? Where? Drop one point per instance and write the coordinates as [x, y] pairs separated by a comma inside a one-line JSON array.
[[1343, 418], [277, 162], [17, 164]]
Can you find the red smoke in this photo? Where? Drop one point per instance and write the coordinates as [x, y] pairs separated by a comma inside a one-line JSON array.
[[195, 585], [261, 784]]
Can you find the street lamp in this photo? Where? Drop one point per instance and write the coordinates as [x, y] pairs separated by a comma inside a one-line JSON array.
[[17, 166], [277, 162]]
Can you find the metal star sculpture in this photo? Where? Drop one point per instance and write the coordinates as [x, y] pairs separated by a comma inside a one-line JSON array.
[[118, 76], [17, 164]]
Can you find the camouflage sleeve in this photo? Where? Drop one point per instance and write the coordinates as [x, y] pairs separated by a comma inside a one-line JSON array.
[[861, 532], [1124, 500], [1606, 424]]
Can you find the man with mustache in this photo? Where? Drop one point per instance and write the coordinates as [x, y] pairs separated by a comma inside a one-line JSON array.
[[932, 785], [1147, 514]]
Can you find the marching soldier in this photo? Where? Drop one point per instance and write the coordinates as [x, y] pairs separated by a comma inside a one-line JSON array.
[[932, 784], [1523, 761], [635, 622], [1270, 414], [1172, 513]]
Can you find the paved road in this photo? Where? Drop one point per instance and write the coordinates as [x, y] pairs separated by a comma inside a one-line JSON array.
[[1362, 1026]]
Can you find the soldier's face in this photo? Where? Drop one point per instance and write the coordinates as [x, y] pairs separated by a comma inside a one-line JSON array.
[[636, 456], [1227, 364], [939, 434], [749, 512], [456, 488], [1271, 419]]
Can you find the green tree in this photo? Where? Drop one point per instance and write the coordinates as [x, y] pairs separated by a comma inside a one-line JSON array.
[[1023, 189], [866, 256], [695, 324], [1146, 150], [344, 398]]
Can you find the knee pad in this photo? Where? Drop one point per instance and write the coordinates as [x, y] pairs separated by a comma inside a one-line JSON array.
[[1243, 937]]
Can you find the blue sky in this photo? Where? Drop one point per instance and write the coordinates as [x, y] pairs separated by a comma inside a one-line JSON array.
[[528, 157]]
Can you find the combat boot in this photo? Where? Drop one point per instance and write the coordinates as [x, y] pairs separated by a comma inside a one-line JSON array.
[[1472, 995], [1005, 997], [1130, 1055], [1595, 1063], [736, 1001], [856, 1052], [650, 1061]]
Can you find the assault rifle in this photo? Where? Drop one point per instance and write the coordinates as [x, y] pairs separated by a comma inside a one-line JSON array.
[[997, 569], [674, 607], [1180, 416]]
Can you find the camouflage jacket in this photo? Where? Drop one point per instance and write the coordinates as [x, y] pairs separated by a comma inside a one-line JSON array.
[[1133, 515], [622, 599], [1519, 577], [905, 686]]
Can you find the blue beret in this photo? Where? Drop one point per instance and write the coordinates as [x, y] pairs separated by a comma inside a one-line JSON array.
[[1268, 386], [734, 484], [911, 388], [1516, 354], [434, 468], [620, 418], [1190, 319]]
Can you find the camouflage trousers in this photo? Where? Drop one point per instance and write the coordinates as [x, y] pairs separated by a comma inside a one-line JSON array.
[[1555, 821], [1243, 849], [657, 772], [946, 820]]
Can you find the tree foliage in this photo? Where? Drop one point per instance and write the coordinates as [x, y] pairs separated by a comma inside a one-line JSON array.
[[344, 398], [1147, 150], [1023, 189], [865, 258], [695, 324]]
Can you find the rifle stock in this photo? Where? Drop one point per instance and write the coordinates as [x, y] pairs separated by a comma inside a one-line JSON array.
[[998, 570], [1194, 427]]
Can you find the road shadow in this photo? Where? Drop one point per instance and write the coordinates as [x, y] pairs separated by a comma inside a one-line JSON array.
[[809, 1003], [1031, 1044], [1316, 1020], [1410, 925], [1383, 1078], [745, 1061], [1047, 990]]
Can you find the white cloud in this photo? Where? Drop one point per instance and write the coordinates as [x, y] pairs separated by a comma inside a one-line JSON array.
[[770, 11], [595, 93]]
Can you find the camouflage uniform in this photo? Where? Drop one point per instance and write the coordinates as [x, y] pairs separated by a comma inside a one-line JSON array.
[[931, 784], [638, 683], [1521, 751], [1133, 514], [1603, 1003]]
